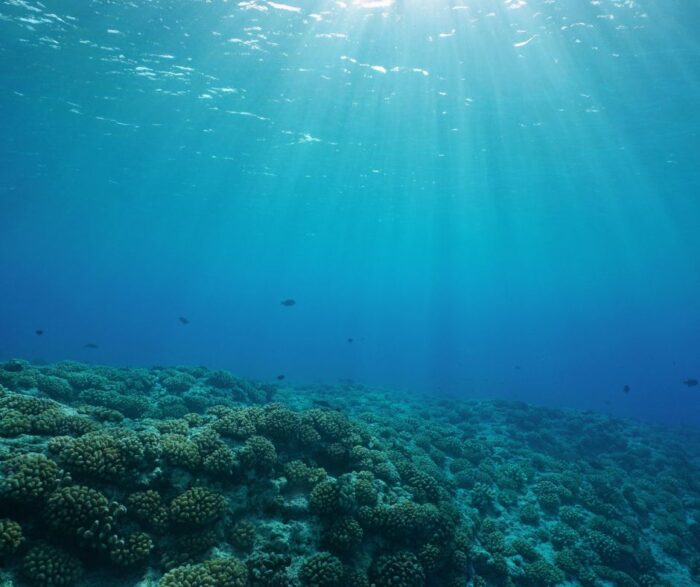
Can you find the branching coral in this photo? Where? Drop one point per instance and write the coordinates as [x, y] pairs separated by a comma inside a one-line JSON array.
[[279, 423], [321, 570], [228, 572], [55, 387], [177, 382], [48, 566], [397, 570], [107, 455], [604, 546], [344, 535], [233, 423], [324, 498], [14, 423], [147, 507], [11, 537], [197, 507], [131, 550], [242, 535], [181, 452], [543, 574], [258, 454], [268, 569], [301, 475], [30, 477], [85, 515]]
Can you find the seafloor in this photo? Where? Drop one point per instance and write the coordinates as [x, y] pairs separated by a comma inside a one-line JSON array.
[[185, 477]]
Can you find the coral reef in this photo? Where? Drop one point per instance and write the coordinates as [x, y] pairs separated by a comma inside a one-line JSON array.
[[184, 477], [197, 507], [321, 570], [10, 537], [47, 566]]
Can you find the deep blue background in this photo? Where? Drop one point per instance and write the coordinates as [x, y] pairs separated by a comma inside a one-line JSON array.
[[485, 205]]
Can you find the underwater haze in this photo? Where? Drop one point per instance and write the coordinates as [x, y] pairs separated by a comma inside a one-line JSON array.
[[467, 198]]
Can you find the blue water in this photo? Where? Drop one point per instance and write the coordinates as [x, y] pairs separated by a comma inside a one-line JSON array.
[[492, 199]]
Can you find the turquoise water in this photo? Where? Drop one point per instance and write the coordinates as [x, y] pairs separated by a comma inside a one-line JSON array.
[[492, 199], [400, 237]]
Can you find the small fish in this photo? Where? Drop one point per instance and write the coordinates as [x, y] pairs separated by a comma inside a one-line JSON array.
[[288, 302], [517, 367], [350, 339], [626, 389], [280, 377], [183, 320], [90, 345], [39, 332], [690, 382]]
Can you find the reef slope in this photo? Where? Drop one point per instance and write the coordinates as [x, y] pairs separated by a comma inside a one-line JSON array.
[[186, 477]]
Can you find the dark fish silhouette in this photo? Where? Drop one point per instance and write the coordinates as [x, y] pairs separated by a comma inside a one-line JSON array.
[[690, 382], [517, 367], [350, 339], [280, 377], [288, 302], [38, 332], [90, 345], [626, 389], [183, 320]]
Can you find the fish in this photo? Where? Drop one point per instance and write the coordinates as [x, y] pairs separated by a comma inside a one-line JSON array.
[[626, 389], [39, 332], [280, 377], [350, 339], [90, 345], [288, 302], [690, 382], [183, 320]]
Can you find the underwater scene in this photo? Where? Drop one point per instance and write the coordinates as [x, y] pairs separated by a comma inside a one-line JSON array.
[[349, 293]]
